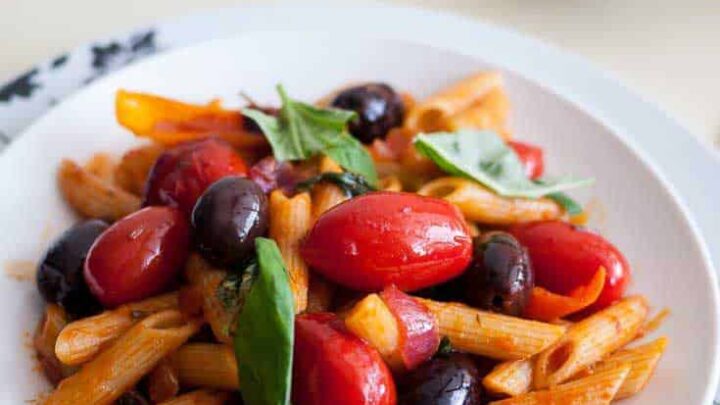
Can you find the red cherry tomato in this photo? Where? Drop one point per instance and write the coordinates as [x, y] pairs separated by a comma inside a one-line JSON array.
[[531, 157], [181, 174], [138, 256], [419, 333], [332, 366], [565, 257], [379, 239]]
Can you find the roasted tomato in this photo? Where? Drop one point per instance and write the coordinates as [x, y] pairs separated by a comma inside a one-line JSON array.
[[181, 174], [333, 366], [565, 257], [379, 239], [138, 256], [531, 157], [419, 333]]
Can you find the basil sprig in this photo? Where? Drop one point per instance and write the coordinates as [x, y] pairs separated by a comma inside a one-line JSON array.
[[351, 184], [484, 157], [301, 131], [264, 332]]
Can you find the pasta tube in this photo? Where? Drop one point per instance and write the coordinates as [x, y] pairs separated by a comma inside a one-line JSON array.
[[91, 197], [132, 171], [371, 319], [478, 204], [207, 365], [52, 322], [432, 114], [81, 340], [199, 397], [589, 340], [290, 220], [162, 382], [642, 359], [123, 364], [489, 113], [598, 389], [492, 335], [510, 377], [102, 166], [326, 195], [206, 279]]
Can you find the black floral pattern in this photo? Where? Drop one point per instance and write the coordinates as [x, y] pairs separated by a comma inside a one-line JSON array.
[[109, 56], [23, 86]]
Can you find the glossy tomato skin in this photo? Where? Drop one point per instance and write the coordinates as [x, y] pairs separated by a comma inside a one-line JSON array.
[[138, 256], [565, 257], [531, 157], [332, 366], [379, 239], [181, 174]]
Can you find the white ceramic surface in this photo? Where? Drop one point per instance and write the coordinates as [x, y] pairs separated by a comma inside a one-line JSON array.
[[671, 265]]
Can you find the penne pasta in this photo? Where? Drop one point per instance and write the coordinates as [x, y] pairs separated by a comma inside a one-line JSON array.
[[162, 383], [478, 204], [326, 195], [510, 378], [589, 340], [431, 114], [642, 359], [91, 197], [492, 335], [134, 167], [102, 166], [371, 320], [46, 334], [81, 340], [489, 113], [126, 361], [206, 279], [391, 183], [598, 389], [199, 397], [290, 220], [207, 365]]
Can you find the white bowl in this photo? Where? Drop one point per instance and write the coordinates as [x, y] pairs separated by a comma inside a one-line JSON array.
[[630, 204]]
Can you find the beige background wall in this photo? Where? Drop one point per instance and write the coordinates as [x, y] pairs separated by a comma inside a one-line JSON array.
[[666, 50]]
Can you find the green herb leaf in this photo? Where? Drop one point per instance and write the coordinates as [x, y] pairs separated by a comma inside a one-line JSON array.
[[570, 206], [233, 290], [352, 184], [484, 157], [302, 131], [445, 347], [264, 332]]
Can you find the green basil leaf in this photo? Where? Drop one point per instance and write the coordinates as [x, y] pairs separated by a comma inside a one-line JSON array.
[[352, 184], [302, 131], [264, 332], [484, 157], [570, 206], [445, 348]]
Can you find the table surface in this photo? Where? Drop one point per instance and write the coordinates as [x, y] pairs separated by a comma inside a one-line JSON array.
[[665, 50]]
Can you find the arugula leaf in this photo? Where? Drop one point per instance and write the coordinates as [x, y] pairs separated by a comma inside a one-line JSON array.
[[264, 332], [484, 157], [302, 131], [352, 184]]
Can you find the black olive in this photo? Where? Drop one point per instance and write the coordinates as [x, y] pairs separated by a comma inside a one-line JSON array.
[[445, 380], [501, 276], [60, 273], [227, 218], [378, 106]]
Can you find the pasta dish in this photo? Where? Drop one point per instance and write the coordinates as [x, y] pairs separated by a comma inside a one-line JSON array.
[[368, 248]]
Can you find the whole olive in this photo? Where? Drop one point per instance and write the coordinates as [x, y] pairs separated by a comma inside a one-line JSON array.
[[445, 380], [227, 218], [501, 276], [60, 273], [378, 106]]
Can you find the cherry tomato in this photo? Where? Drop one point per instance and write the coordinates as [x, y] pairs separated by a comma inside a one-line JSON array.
[[181, 174], [565, 257], [419, 333], [138, 256], [332, 366], [531, 157], [379, 239]]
